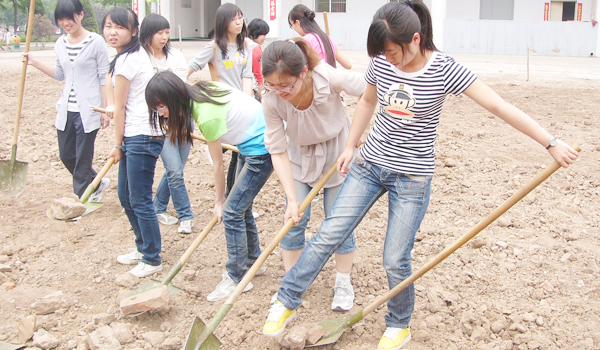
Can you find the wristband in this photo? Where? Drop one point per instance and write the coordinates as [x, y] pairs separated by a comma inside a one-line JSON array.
[[117, 146]]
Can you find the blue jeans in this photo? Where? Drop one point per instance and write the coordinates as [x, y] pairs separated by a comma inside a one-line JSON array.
[[241, 234], [408, 199], [172, 183], [136, 175], [295, 240]]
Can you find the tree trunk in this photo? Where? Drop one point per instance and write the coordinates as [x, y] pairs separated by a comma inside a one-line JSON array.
[[15, 7]]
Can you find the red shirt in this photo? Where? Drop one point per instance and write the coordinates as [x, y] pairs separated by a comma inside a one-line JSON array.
[[256, 65]]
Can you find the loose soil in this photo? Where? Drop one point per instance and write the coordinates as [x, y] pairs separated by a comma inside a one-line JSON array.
[[529, 281]]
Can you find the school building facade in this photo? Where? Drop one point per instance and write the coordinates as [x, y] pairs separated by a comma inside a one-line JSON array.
[[512, 27]]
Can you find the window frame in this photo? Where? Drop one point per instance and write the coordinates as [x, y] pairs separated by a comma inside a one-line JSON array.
[[330, 4]]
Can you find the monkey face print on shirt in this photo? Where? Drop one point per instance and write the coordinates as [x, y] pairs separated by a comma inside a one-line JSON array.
[[399, 98]]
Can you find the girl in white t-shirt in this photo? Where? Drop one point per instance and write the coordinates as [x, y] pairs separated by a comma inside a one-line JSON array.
[[154, 37], [410, 79], [138, 142]]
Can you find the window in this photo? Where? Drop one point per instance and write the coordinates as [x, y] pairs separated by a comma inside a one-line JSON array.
[[562, 11], [497, 9], [330, 5]]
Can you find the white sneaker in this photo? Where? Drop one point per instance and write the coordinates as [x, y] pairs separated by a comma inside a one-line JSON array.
[[143, 270], [185, 226], [97, 195], [166, 219], [131, 258], [225, 288], [343, 298], [255, 214]]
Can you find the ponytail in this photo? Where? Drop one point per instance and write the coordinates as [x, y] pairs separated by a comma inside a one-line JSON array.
[[307, 20], [426, 24], [397, 23], [289, 57]]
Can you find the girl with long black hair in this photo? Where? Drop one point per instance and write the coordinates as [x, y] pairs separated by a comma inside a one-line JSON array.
[[138, 141]]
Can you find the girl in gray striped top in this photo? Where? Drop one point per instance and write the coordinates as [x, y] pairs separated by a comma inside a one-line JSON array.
[[82, 61]]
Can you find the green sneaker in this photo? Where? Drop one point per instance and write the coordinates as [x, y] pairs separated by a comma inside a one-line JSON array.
[[278, 317], [394, 338]]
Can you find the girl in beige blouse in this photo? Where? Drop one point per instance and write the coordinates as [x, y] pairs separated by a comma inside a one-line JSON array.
[[306, 130]]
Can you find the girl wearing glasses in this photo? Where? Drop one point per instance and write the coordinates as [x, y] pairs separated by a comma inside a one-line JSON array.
[[304, 93], [229, 60], [225, 115], [138, 142], [154, 37], [302, 20]]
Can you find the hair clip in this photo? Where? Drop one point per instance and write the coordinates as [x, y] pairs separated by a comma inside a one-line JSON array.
[[292, 41]]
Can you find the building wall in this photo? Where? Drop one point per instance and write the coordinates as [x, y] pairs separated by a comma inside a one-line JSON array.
[[513, 38], [457, 27], [462, 9]]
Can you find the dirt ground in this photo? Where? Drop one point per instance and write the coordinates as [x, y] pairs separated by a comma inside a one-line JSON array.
[[529, 281]]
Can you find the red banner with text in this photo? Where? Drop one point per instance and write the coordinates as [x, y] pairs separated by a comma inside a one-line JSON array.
[[579, 11], [272, 10], [546, 10]]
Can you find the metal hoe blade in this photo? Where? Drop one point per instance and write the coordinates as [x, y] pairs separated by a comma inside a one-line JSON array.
[[155, 284], [13, 176], [89, 207], [193, 338], [333, 330]]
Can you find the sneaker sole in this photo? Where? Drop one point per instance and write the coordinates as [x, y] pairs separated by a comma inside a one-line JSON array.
[[401, 345], [167, 224], [340, 308], [282, 328]]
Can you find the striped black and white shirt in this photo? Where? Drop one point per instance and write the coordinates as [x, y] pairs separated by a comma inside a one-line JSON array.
[[404, 132], [73, 50]]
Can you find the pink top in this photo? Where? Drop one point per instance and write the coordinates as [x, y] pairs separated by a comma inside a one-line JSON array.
[[316, 136], [316, 43]]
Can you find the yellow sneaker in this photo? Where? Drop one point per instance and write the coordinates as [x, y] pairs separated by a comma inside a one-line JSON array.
[[278, 317], [394, 338]]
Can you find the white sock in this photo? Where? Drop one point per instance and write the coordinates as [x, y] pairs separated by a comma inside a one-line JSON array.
[[342, 276]]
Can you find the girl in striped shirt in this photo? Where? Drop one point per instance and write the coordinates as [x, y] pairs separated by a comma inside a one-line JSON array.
[[82, 62], [410, 79]]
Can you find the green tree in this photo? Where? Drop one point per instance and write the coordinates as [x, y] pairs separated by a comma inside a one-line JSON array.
[[42, 29], [111, 3], [22, 6], [39, 8], [89, 20]]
